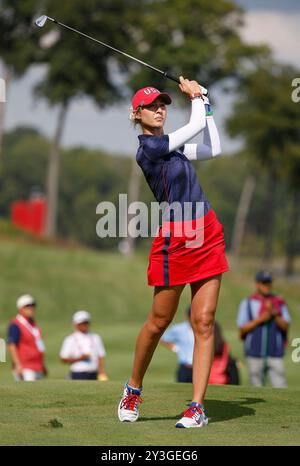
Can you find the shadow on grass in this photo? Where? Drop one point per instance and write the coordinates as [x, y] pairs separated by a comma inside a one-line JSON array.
[[219, 410]]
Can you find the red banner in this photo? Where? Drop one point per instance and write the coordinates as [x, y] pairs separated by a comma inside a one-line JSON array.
[[30, 215]]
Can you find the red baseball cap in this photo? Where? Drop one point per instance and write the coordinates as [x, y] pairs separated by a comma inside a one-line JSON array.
[[147, 95]]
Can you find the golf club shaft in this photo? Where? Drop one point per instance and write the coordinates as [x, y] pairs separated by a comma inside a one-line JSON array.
[[164, 73]]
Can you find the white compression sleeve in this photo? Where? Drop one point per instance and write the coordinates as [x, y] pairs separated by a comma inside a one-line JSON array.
[[196, 124], [211, 146]]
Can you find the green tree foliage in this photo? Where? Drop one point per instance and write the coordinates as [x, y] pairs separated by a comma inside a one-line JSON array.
[[78, 66], [266, 117], [25, 160], [89, 177], [199, 39], [18, 47], [268, 120]]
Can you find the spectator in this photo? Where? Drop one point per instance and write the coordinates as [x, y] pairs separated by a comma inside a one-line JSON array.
[[263, 320], [84, 350], [180, 339], [25, 343], [224, 370]]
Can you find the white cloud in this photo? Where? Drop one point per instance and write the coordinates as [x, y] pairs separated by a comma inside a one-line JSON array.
[[280, 31]]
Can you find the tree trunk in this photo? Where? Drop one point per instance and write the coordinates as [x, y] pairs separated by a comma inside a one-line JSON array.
[[128, 244], [241, 215], [270, 206], [52, 183], [292, 242]]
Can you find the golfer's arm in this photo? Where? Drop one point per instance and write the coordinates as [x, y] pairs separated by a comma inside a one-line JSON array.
[[211, 146], [196, 125]]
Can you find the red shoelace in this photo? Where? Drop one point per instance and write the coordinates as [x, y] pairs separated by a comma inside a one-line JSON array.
[[191, 411], [130, 401]]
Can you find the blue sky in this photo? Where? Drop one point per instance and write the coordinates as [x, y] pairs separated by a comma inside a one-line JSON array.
[[279, 5], [269, 21]]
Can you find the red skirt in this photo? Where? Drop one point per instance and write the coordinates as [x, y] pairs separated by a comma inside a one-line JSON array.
[[185, 252]]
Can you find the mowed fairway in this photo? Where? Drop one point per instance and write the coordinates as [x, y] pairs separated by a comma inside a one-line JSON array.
[[64, 413], [60, 412]]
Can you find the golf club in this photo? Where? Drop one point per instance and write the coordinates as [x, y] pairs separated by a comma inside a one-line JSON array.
[[40, 22]]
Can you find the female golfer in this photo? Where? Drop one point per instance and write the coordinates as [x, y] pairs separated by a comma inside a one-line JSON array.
[[189, 247]]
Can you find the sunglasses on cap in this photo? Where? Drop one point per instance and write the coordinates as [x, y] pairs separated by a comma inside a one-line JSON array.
[[30, 305]]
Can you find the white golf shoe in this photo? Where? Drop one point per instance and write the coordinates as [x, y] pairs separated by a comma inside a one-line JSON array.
[[128, 410], [194, 416]]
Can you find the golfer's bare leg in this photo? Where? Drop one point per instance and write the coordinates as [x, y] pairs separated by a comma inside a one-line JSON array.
[[164, 306], [205, 295]]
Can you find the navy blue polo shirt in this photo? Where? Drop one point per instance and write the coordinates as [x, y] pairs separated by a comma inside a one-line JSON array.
[[170, 175], [13, 334]]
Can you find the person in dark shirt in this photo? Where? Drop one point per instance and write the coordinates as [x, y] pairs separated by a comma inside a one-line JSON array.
[[263, 321], [189, 248]]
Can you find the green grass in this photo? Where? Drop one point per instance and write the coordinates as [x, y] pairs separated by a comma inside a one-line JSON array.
[[115, 291], [85, 413]]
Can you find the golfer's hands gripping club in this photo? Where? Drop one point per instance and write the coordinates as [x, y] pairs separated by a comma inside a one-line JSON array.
[[189, 87]]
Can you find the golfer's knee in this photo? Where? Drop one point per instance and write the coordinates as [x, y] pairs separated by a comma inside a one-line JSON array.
[[157, 325], [203, 323]]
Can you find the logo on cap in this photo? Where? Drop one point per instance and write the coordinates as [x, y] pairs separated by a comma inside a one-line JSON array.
[[147, 95], [148, 90]]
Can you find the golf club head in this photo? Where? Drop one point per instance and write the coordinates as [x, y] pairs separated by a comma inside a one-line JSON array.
[[40, 22]]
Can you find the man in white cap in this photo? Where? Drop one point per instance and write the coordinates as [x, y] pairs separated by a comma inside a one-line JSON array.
[[25, 342], [84, 350]]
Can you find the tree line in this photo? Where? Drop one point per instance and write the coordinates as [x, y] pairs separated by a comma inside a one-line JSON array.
[[89, 177], [200, 39]]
